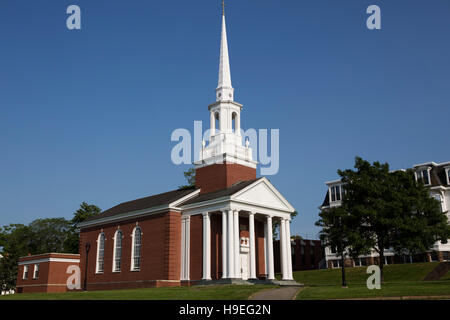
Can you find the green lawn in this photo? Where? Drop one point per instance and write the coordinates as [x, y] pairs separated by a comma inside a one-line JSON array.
[[392, 273], [400, 280], [225, 292], [406, 289]]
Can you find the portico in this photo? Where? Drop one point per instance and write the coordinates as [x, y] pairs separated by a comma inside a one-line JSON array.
[[244, 233]]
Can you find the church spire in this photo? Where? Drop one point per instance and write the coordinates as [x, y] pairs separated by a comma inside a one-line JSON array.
[[224, 89]]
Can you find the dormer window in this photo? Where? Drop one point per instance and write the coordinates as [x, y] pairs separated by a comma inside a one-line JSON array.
[[336, 193], [424, 176]]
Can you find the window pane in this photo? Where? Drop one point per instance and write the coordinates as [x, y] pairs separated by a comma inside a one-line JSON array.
[[137, 249], [101, 253], [333, 194], [338, 193], [426, 179], [118, 252]]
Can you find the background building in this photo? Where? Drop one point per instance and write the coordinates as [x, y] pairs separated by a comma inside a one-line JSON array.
[[45, 272], [437, 178]]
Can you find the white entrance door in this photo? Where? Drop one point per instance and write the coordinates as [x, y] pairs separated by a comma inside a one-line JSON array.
[[244, 266]]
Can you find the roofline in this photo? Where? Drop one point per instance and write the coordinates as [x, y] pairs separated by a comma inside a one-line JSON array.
[[333, 181], [137, 213], [49, 254]]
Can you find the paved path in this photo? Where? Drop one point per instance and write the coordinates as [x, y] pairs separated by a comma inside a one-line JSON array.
[[287, 293]]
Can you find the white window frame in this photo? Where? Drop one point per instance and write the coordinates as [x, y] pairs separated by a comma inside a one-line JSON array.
[[336, 194], [133, 235], [419, 175], [447, 170], [115, 268], [36, 269], [26, 272], [97, 269]]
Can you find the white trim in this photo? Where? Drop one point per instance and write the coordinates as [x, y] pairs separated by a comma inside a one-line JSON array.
[[37, 261], [26, 269], [291, 209], [133, 214], [98, 252], [36, 268], [114, 267], [133, 234]]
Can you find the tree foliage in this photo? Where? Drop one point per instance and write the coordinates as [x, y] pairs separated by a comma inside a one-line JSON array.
[[40, 236], [71, 244], [391, 209]]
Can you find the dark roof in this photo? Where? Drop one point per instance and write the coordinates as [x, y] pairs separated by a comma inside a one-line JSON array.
[[326, 201], [144, 203], [438, 176], [221, 193]]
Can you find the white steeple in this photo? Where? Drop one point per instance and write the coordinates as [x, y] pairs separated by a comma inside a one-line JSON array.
[[224, 89], [225, 144]]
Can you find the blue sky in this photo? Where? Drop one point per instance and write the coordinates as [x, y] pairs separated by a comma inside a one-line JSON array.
[[87, 115]]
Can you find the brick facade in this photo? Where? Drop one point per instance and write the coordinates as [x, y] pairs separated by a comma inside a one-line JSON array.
[[221, 176], [306, 254], [160, 253], [52, 272]]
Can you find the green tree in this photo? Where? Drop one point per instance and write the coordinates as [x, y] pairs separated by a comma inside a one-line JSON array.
[[339, 231], [276, 225], [189, 175], [15, 242], [71, 244], [48, 235], [393, 210]]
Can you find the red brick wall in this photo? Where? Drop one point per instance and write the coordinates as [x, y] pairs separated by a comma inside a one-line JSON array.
[[221, 176], [260, 252], [52, 275], [160, 253], [196, 247]]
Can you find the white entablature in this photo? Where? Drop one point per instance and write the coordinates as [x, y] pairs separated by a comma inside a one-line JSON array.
[[259, 197]]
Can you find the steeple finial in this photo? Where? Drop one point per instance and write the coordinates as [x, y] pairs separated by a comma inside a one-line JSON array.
[[224, 89]]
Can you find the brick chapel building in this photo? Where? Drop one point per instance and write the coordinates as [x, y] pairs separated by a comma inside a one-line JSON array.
[[221, 229]]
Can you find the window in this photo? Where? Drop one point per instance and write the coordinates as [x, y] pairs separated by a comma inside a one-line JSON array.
[[337, 193], [25, 272], [336, 264], [423, 176], [36, 271], [448, 176], [117, 262], [439, 198], [100, 252], [136, 250]]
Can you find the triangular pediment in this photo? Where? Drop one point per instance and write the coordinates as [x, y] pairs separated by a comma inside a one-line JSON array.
[[263, 193]]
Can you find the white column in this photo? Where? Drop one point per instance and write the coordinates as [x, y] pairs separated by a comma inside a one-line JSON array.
[[230, 246], [288, 249], [185, 247], [213, 124], [251, 219], [206, 247], [270, 269], [283, 256], [237, 246], [224, 245]]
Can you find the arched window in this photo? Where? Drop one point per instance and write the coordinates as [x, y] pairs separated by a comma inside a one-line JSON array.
[[136, 249], [233, 121], [100, 252], [217, 122], [117, 262]]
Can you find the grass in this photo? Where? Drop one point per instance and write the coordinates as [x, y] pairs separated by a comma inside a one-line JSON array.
[[422, 289], [400, 280], [392, 273], [224, 292]]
